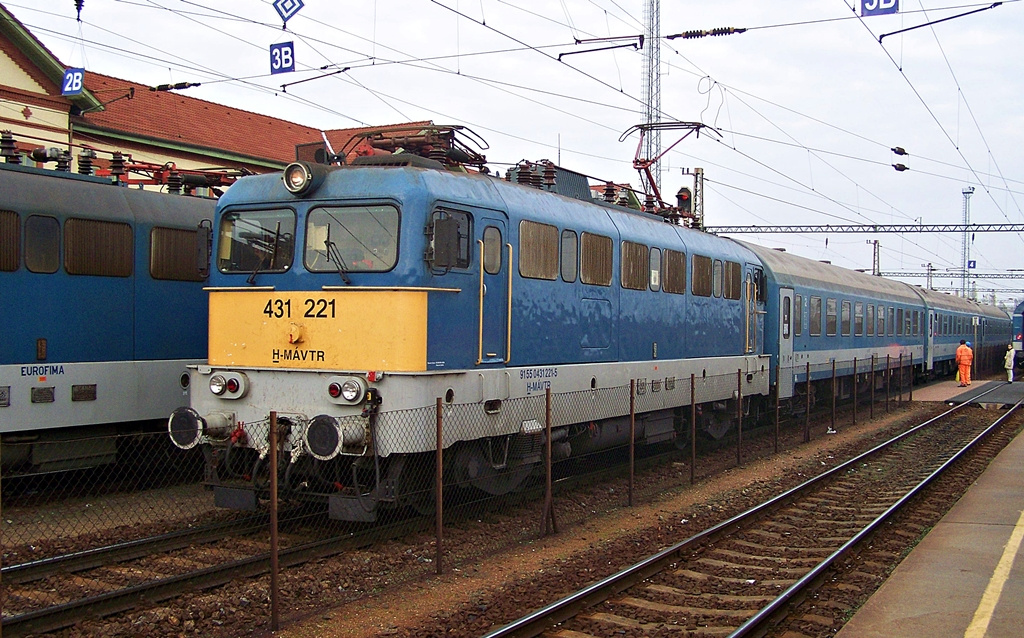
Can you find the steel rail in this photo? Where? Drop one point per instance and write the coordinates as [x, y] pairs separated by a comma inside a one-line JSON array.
[[559, 611]]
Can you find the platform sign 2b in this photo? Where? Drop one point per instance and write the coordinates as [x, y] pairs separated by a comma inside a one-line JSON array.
[[73, 82], [282, 57], [879, 7]]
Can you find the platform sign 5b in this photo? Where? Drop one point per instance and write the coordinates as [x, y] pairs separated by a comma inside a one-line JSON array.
[[282, 57], [879, 7]]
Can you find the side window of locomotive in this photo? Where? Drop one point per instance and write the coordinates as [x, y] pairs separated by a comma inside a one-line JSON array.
[[831, 322], [457, 249], [845, 319], [858, 319], [892, 320], [258, 240], [10, 241], [674, 279], [814, 327], [94, 247], [538, 250], [733, 280], [787, 305], [634, 264], [798, 315], [42, 244], [492, 250], [655, 269], [870, 320], [363, 238], [172, 254], [701, 285], [570, 256], [716, 278], [596, 264]]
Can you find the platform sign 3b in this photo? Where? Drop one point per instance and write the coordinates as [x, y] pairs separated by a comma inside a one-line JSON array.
[[282, 57], [879, 7]]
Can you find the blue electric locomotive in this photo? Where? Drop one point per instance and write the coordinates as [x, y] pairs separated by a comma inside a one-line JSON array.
[[103, 308]]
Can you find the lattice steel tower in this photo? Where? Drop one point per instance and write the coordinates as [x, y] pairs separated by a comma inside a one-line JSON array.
[[965, 254], [652, 85]]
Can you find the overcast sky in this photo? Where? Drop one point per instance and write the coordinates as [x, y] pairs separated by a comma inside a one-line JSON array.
[[807, 101]]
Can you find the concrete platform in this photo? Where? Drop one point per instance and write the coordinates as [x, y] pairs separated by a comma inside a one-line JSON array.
[[966, 578]]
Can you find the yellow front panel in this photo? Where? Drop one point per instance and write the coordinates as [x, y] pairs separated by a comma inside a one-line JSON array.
[[333, 330]]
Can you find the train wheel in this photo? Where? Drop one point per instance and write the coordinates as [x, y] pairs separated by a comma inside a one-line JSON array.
[[716, 424], [476, 469]]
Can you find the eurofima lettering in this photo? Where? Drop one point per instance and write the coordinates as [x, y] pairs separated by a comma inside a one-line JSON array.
[[297, 355], [41, 371]]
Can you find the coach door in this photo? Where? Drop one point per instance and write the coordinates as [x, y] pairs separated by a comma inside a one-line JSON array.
[[494, 291], [785, 380]]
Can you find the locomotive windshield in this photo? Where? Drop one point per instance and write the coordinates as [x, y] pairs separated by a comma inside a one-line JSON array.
[[351, 238], [253, 241]]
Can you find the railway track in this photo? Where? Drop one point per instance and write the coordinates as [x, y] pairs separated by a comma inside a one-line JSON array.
[[743, 576]]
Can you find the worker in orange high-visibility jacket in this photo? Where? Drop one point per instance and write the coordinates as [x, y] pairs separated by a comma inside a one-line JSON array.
[[964, 359]]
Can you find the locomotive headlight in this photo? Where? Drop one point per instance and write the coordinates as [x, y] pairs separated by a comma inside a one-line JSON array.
[[218, 384], [351, 390], [302, 178], [346, 390]]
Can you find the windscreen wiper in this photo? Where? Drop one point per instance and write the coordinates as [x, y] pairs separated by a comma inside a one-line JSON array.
[[332, 255], [272, 253]]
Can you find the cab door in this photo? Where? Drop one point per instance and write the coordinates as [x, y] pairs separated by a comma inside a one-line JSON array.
[[494, 290], [786, 363]]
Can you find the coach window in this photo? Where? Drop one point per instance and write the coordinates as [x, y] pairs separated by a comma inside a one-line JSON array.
[[262, 241], [858, 319], [911, 323], [869, 320], [899, 321], [716, 278], [733, 280], [892, 327], [634, 266], [538, 250], [831, 311], [570, 255], [798, 315], [786, 317], [94, 247], [701, 284], [655, 269], [10, 241], [172, 254], [814, 326], [42, 244], [596, 263], [674, 280], [845, 319]]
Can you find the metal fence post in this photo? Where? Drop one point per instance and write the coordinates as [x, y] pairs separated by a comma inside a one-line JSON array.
[[632, 436], [910, 399], [872, 404], [832, 427], [438, 487], [778, 399], [739, 416], [855, 390], [888, 377], [693, 428], [900, 399], [275, 621], [550, 524], [807, 413]]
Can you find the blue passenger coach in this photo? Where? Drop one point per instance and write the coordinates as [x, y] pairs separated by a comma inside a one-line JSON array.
[[102, 308]]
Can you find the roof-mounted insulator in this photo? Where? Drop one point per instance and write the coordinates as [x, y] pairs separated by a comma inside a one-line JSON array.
[[649, 205], [174, 181], [623, 198], [117, 165], [64, 161], [85, 158], [549, 176], [437, 154], [609, 192], [8, 149], [524, 172]]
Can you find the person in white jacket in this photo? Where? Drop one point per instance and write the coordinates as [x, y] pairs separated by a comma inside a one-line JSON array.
[[1008, 363]]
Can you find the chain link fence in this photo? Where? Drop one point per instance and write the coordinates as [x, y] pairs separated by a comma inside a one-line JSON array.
[[538, 464]]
